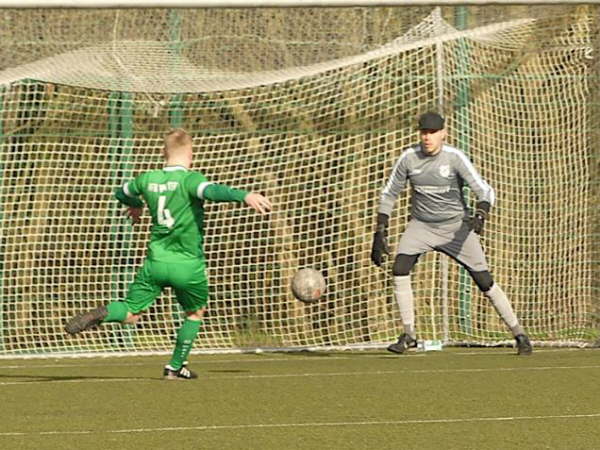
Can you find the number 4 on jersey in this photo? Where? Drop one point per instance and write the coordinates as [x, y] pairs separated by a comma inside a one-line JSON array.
[[164, 215]]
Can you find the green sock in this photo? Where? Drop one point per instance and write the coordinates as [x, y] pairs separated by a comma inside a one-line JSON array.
[[185, 340], [117, 312]]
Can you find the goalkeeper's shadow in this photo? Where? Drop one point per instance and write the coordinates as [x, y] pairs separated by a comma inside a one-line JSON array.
[[304, 353], [345, 354], [333, 353]]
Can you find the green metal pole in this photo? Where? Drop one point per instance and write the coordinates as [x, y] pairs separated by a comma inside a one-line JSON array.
[[176, 118], [176, 45], [463, 130], [121, 134], [114, 102], [127, 172]]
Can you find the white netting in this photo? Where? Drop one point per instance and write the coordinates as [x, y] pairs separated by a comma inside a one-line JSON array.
[[160, 67], [319, 138]]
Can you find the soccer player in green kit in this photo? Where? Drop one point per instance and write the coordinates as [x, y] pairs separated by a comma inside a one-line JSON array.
[[175, 196]]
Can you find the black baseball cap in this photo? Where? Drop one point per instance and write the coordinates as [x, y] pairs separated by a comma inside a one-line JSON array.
[[431, 121]]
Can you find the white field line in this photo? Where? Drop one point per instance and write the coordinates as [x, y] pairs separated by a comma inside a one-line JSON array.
[[308, 374], [306, 425], [200, 361]]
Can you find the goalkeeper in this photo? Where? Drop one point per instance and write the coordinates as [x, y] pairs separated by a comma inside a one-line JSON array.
[[175, 196], [439, 221]]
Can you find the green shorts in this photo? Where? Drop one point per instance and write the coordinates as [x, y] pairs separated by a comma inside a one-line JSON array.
[[187, 278]]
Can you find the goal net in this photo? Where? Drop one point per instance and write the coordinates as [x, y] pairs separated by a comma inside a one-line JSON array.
[[310, 107]]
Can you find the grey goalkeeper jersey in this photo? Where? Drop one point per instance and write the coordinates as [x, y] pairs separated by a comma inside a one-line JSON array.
[[436, 183]]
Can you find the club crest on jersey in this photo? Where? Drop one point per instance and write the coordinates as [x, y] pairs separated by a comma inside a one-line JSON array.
[[445, 171]]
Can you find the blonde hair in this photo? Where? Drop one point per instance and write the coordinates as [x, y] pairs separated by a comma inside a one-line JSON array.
[[176, 141]]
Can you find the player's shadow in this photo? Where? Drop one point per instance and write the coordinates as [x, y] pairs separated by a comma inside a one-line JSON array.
[[55, 378], [227, 371]]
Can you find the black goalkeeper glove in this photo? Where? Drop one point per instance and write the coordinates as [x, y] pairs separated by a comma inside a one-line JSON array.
[[481, 214], [380, 242]]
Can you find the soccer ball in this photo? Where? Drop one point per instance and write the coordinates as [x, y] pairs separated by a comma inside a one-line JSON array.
[[308, 285]]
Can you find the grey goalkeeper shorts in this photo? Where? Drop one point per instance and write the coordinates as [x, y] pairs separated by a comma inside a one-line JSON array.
[[456, 239]]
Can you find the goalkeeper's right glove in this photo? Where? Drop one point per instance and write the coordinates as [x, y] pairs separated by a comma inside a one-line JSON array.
[[481, 215], [380, 241]]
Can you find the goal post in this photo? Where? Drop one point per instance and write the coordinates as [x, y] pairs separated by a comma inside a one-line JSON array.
[[310, 106]]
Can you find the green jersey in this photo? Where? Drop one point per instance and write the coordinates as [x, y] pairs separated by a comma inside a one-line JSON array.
[[175, 197]]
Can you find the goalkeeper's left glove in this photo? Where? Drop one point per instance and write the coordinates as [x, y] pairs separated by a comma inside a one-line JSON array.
[[481, 214]]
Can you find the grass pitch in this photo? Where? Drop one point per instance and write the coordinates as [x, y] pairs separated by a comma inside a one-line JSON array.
[[455, 399]]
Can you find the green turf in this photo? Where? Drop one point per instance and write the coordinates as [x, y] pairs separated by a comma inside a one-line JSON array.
[[455, 399]]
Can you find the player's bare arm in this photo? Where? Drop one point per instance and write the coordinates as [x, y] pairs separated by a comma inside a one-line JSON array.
[[135, 206], [258, 202], [134, 213]]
